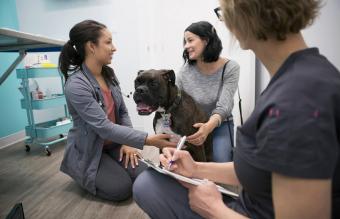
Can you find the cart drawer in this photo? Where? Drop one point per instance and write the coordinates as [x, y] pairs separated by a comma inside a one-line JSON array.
[[48, 129], [37, 72], [45, 103]]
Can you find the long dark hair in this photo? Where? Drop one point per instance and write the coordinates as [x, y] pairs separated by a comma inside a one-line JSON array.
[[207, 32], [73, 52]]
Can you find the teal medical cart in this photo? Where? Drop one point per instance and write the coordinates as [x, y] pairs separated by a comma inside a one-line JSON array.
[[48, 132], [40, 133]]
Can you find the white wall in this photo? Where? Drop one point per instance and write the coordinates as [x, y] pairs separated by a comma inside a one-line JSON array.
[[324, 34], [147, 33]]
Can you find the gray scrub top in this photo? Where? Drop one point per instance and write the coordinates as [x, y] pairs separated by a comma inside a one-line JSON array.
[[294, 130], [91, 127]]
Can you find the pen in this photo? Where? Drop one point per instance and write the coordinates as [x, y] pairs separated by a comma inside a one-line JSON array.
[[179, 147]]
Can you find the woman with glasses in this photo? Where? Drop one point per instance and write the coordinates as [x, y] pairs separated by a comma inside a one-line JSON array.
[[287, 153], [212, 81]]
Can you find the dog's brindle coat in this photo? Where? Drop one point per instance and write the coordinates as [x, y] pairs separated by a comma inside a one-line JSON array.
[[155, 90]]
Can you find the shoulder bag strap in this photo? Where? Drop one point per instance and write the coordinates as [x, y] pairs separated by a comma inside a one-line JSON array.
[[238, 92]]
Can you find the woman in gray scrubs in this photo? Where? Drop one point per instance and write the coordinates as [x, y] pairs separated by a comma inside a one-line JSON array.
[[102, 141], [287, 153]]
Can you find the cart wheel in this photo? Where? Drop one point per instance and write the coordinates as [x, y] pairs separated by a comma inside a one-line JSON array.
[[28, 148], [48, 152], [61, 135]]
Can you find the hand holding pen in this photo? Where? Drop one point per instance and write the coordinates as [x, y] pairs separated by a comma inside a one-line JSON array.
[[183, 163], [179, 147]]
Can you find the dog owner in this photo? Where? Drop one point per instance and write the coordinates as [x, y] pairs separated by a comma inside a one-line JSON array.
[[287, 152], [102, 141], [212, 81]]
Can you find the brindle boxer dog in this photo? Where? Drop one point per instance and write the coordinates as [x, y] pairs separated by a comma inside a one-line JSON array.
[[176, 111]]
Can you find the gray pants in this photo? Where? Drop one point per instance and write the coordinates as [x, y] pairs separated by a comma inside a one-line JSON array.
[[113, 181], [161, 196]]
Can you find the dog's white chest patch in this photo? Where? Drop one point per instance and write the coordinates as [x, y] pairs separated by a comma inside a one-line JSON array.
[[163, 126]]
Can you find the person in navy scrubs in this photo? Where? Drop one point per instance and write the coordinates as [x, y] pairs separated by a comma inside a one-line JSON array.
[[287, 152]]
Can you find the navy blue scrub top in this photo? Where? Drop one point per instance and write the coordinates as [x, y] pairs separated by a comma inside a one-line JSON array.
[[294, 131]]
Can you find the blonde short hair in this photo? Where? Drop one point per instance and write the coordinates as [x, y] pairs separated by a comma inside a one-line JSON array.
[[265, 19]]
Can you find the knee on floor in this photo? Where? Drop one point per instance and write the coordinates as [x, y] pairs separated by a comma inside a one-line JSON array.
[[117, 192]]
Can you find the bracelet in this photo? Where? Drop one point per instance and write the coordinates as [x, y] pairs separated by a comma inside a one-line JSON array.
[[146, 137], [218, 119]]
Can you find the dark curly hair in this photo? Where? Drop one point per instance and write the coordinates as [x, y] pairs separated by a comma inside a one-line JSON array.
[[207, 32], [265, 19]]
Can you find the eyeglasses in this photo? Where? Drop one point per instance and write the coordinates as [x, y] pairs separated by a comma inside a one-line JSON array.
[[218, 13]]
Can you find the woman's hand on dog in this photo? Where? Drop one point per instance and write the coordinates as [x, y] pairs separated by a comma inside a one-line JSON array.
[[182, 161], [204, 129], [200, 136], [129, 154], [160, 141]]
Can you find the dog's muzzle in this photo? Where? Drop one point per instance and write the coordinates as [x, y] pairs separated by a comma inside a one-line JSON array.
[[140, 97]]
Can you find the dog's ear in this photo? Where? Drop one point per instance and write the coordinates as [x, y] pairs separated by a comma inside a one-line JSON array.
[[170, 76], [139, 72]]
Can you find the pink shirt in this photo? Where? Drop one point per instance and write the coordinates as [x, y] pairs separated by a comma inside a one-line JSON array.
[[110, 108]]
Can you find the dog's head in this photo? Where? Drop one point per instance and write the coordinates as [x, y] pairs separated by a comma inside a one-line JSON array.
[[152, 89]]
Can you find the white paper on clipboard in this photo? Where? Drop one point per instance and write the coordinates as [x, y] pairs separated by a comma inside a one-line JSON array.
[[193, 181]]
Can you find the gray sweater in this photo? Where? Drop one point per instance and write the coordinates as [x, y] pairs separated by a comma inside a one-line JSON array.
[[204, 88]]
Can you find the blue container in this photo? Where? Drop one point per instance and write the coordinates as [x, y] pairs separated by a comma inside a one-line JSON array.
[[47, 129], [37, 73], [45, 103]]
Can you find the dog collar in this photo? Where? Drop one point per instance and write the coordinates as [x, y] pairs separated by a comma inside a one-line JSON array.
[[176, 102], [166, 120]]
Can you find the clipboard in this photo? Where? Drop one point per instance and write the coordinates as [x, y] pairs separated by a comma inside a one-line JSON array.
[[193, 181]]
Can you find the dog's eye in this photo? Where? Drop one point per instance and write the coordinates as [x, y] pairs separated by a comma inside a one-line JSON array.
[[138, 81], [153, 84]]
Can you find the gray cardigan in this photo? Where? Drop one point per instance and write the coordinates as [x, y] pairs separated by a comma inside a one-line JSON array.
[[204, 88], [91, 127]]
